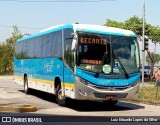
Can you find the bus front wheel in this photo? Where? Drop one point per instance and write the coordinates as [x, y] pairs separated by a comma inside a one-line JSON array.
[[59, 97], [26, 89]]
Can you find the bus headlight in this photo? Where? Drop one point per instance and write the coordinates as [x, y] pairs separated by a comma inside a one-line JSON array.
[[84, 82]]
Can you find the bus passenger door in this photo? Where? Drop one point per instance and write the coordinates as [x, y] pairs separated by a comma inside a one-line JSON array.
[[68, 71], [68, 63]]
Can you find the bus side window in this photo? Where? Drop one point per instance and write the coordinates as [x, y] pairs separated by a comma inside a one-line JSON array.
[[47, 46], [57, 44], [19, 50], [38, 47], [25, 49], [31, 44]]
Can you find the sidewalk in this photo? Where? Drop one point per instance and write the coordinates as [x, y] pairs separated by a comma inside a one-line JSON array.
[[145, 84], [8, 104], [7, 77]]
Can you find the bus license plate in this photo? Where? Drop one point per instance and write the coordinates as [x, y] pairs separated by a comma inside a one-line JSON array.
[[111, 97]]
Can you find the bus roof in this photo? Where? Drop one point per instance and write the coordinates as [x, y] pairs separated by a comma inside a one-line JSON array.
[[85, 28], [103, 29]]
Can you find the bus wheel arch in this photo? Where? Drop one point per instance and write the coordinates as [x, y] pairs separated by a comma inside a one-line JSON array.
[[25, 81], [56, 82], [58, 92]]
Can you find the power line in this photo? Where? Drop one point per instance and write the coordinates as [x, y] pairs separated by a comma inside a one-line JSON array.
[[49, 1], [21, 27]]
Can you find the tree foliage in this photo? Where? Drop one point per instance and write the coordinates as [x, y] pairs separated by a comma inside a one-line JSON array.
[[7, 49], [113, 23], [154, 34], [155, 56], [134, 24]]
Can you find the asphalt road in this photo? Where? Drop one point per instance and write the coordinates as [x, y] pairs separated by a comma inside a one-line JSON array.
[[12, 94]]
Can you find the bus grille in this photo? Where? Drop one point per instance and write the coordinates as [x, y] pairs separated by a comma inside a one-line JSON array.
[[110, 88], [104, 95]]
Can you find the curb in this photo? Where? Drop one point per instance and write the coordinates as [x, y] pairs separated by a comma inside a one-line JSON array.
[[18, 108], [6, 77]]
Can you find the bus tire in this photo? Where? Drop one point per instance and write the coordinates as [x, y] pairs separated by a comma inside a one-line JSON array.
[[59, 98], [26, 89], [110, 102]]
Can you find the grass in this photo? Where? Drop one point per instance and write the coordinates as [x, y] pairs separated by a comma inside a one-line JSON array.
[[151, 82], [148, 95]]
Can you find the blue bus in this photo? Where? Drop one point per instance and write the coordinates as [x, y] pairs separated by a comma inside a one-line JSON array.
[[79, 61]]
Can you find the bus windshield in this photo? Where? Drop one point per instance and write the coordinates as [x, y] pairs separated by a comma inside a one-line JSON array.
[[107, 54]]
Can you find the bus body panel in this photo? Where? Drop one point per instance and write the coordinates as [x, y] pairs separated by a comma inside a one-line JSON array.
[[41, 74]]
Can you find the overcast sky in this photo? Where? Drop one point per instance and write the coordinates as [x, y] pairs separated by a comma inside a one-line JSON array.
[[46, 14]]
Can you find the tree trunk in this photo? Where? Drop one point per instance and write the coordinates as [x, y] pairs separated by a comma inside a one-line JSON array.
[[152, 62]]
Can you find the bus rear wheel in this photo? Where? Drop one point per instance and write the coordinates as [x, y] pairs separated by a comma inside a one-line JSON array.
[[110, 102], [26, 89], [59, 97]]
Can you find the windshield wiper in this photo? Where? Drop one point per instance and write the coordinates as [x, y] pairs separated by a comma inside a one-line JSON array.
[[124, 70], [103, 58]]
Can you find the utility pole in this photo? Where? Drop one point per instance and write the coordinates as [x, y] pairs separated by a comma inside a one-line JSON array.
[[143, 49]]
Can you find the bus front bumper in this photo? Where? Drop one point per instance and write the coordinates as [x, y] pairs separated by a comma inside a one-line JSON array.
[[87, 92]]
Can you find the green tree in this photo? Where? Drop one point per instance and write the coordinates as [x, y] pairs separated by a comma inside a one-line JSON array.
[[156, 58], [114, 23], [2, 53], [134, 24], [11, 42], [154, 35], [7, 50]]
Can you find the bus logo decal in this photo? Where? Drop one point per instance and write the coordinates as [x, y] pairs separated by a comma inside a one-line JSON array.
[[48, 66]]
